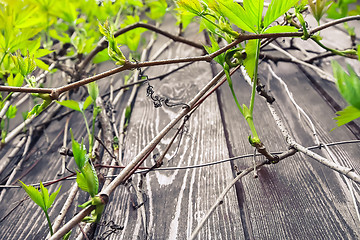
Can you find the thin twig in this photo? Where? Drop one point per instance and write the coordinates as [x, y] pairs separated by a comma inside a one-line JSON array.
[[103, 43], [319, 71], [221, 197], [144, 169], [348, 172]]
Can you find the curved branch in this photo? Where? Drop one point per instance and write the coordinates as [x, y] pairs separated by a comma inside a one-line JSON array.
[[103, 43], [129, 65], [335, 22]]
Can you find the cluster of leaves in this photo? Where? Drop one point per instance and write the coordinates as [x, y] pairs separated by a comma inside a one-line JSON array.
[[42, 199], [30, 31], [218, 18], [349, 87]]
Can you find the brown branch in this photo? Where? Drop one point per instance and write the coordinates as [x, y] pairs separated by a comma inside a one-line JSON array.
[[103, 43], [55, 92], [335, 22]]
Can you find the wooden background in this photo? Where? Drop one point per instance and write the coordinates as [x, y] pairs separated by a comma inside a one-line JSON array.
[[295, 199]]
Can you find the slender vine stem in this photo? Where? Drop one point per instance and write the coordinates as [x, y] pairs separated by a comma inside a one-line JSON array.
[[49, 222]]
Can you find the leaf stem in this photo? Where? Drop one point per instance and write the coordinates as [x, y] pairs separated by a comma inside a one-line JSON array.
[[49, 222], [3, 57], [345, 53], [88, 131], [228, 77], [249, 118], [253, 92]]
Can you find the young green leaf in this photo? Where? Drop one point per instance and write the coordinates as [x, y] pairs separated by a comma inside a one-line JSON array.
[[214, 47], [52, 198], [276, 9], [38, 108], [254, 9], [250, 59], [79, 152], [87, 102], [93, 90], [67, 235], [26, 65], [34, 194], [192, 6], [339, 9], [348, 84], [15, 82], [157, 8], [236, 14], [280, 29], [88, 180], [11, 112], [347, 115], [74, 105], [318, 8], [113, 48]]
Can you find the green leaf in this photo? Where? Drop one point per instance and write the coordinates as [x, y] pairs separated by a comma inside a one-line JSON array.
[[52, 197], [81, 181], [250, 60], [318, 8], [88, 180], [192, 6], [280, 29], [64, 38], [93, 90], [24, 65], [88, 102], [92, 181], [348, 84], [37, 109], [74, 105], [157, 8], [339, 9], [102, 56], [347, 115], [254, 9], [113, 48], [79, 152], [15, 82], [42, 52], [67, 235], [235, 13], [213, 48], [11, 112], [131, 38], [35, 195], [41, 65], [45, 195], [276, 9], [358, 51]]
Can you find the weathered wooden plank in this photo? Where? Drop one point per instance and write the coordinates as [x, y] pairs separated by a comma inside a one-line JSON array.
[[176, 200], [298, 198]]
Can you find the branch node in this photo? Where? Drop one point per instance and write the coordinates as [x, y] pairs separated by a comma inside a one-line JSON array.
[[54, 95]]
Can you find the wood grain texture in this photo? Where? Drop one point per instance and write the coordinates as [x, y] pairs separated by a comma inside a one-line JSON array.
[[176, 200], [297, 198]]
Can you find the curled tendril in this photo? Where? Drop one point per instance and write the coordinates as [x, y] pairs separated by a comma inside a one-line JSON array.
[[157, 100]]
